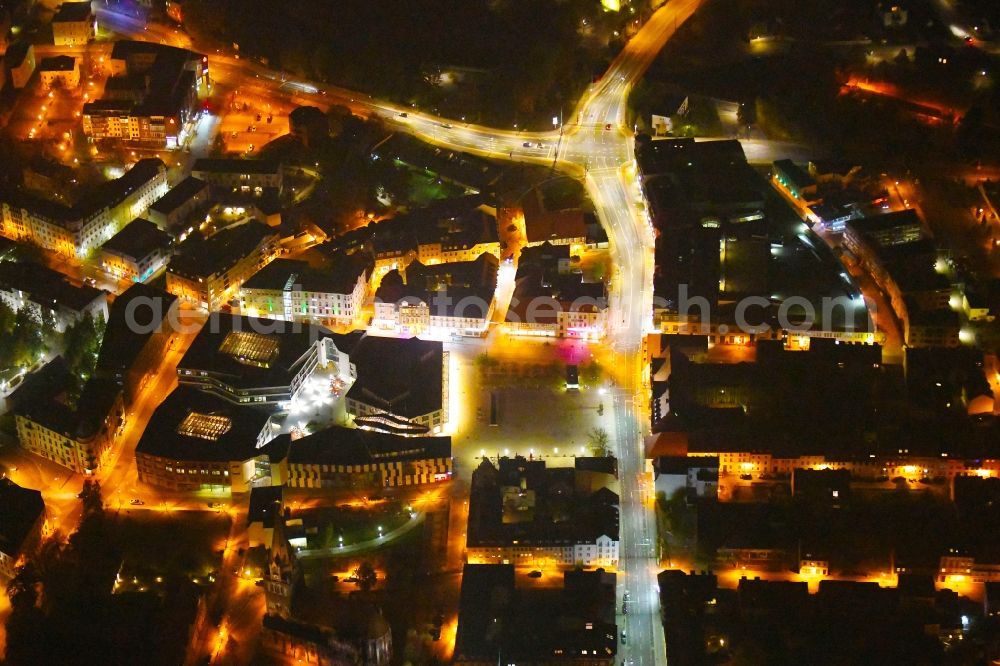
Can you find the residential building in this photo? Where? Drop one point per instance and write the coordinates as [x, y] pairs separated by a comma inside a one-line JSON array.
[[408, 395], [22, 522], [49, 295], [506, 499], [78, 437], [442, 298], [141, 327], [74, 24], [550, 299], [175, 210], [19, 60], [151, 98], [244, 176], [697, 476], [499, 622], [94, 218], [209, 272], [59, 72], [136, 252], [290, 290]]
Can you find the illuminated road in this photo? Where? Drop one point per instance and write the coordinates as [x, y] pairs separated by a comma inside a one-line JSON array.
[[596, 147]]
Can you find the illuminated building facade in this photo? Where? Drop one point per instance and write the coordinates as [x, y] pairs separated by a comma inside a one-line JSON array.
[[209, 272], [97, 216]]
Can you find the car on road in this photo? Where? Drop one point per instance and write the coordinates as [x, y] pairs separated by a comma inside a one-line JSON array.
[[527, 144], [623, 637], [404, 114], [215, 505], [135, 501], [607, 126], [534, 574], [446, 125]]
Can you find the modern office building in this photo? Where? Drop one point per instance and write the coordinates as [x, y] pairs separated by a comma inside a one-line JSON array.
[[357, 459], [259, 362], [196, 440], [401, 385]]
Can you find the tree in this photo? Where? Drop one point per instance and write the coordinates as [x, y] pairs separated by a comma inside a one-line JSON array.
[[90, 497], [366, 576], [599, 441]]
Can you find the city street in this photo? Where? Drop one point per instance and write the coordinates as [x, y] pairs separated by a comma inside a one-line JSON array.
[[596, 147]]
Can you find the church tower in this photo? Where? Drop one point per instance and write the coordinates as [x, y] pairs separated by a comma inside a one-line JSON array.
[[283, 571]]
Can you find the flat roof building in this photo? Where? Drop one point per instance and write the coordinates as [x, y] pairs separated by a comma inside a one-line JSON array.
[[136, 252], [401, 385]]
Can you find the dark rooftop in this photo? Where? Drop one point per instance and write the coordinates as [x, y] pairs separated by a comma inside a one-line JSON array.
[[339, 445], [238, 426], [46, 286], [200, 257], [137, 239], [178, 195], [20, 509], [72, 12], [408, 386], [234, 165], [62, 63], [124, 340], [289, 342]]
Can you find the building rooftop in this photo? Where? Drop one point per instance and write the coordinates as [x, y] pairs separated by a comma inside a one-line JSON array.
[[147, 308], [499, 622], [179, 195], [339, 276], [20, 509], [191, 425], [199, 257], [70, 12], [234, 165], [262, 507], [339, 445], [408, 386], [138, 239], [46, 287], [524, 501], [61, 63], [798, 176], [16, 53], [248, 352], [105, 195]]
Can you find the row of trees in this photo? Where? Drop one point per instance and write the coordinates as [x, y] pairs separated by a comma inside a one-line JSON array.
[[26, 339]]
